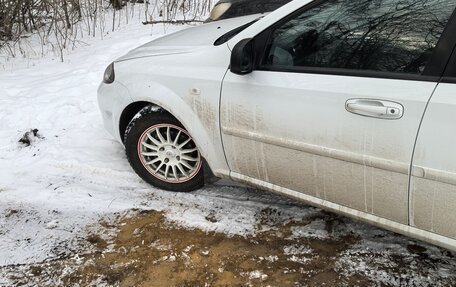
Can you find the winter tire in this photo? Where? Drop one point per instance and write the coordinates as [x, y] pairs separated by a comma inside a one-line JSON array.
[[162, 152]]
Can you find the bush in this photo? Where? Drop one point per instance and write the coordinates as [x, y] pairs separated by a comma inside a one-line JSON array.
[[61, 22]]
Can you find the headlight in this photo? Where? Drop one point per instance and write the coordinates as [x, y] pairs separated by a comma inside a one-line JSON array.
[[219, 10], [109, 75]]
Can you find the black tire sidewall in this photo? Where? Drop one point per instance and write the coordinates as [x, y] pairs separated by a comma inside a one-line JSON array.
[[135, 130]]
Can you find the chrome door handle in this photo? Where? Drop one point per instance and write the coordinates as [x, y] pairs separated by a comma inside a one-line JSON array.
[[375, 108]]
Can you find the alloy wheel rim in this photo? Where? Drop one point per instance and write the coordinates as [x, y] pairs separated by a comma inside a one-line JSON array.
[[169, 153]]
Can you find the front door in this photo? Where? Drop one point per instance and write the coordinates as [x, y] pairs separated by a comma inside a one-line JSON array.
[[333, 107]]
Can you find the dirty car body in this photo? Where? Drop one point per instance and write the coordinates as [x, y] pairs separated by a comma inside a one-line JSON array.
[[329, 102]]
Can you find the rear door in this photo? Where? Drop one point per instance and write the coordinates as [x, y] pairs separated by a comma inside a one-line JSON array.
[[433, 184], [333, 107]]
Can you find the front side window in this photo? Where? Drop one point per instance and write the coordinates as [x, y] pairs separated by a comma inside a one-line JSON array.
[[378, 35]]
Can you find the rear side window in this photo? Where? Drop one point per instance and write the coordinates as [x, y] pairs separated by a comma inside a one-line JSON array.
[[377, 35]]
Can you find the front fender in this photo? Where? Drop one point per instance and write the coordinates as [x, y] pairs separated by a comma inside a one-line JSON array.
[[199, 116], [188, 86]]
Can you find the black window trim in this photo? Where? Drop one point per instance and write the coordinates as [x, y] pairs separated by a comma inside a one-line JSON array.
[[434, 71], [450, 70], [449, 76]]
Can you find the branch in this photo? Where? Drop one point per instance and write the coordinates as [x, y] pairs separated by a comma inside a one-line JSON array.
[[171, 22]]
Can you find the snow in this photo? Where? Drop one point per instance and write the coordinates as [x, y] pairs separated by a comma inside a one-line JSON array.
[[74, 173], [296, 250], [256, 274], [315, 229], [54, 191]]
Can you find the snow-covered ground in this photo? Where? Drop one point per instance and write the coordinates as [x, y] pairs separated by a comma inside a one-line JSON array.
[[74, 174]]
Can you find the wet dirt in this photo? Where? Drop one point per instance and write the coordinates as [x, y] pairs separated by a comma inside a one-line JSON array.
[[144, 248], [148, 251]]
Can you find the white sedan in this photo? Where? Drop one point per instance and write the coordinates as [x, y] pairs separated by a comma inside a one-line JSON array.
[[348, 105]]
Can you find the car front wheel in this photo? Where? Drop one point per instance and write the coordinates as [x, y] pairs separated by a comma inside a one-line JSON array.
[[162, 152]]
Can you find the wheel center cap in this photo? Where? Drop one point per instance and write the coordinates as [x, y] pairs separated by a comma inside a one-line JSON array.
[[170, 153]]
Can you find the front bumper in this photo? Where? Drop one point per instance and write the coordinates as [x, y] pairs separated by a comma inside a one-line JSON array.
[[112, 100]]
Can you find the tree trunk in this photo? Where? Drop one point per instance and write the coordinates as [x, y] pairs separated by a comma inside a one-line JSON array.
[[65, 12], [116, 4]]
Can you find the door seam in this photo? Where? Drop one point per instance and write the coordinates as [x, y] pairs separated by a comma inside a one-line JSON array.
[[409, 187], [220, 121]]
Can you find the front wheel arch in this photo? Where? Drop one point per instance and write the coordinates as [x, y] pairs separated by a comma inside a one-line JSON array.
[[130, 112]]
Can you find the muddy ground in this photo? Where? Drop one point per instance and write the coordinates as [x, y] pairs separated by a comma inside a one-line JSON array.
[[148, 250]]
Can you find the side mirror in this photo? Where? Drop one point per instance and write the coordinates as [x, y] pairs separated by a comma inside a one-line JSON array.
[[242, 57]]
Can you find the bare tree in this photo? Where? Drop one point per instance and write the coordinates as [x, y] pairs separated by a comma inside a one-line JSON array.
[[59, 23]]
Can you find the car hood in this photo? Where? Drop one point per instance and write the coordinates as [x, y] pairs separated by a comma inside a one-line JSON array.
[[189, 39]]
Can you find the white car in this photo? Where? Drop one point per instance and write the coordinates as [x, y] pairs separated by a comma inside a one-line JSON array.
[[348, 105]]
